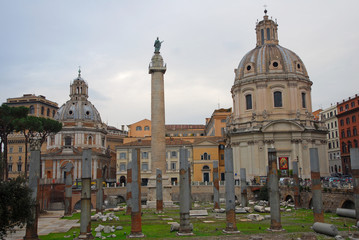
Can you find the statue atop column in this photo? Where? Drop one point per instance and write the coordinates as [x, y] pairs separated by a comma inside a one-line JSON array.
[[157, 45]]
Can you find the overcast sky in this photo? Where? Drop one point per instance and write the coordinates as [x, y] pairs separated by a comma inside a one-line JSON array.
[[43, 43]]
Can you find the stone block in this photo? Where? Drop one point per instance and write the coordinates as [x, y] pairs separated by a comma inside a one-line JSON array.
[[198, 213]]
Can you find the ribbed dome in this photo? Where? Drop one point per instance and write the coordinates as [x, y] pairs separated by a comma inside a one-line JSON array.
[[78, 107], [78, 110], [270, 58]]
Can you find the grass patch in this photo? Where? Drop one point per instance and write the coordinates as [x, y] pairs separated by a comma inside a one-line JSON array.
[[155, 227]]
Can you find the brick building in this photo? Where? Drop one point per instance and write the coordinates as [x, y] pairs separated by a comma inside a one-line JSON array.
[[348, 112]]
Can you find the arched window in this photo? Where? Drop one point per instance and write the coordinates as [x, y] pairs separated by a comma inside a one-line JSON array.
[[304, 103], [348, 132], [32, 109], [355, 143], [205, 167], [268, 34], [48, 112], [262, 35], [90, 140], [53, 113], [349, 145], [249, 101], [277, 99], [42, 110]]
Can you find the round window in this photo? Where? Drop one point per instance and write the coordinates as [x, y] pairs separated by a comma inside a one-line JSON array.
[[70, 112], [275, 64], [249, 67]]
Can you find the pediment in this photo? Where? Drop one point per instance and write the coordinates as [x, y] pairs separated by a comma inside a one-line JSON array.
[[282, 126]]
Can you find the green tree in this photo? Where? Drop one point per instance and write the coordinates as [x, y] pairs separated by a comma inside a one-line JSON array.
[[7, 117], [15, 204], [29, 126], [48, 126]]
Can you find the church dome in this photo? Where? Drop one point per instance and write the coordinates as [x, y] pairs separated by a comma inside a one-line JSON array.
[[78, 108], [268, 58]]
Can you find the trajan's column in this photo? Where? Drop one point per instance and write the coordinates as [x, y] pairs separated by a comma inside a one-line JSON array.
[[157, 70]]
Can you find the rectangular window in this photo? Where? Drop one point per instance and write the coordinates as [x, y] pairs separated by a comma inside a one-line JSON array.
[[19, 167], [347, 121], [348, 132], [20, 149], [278, 99], [304, 103], [354, 119], [331, 124], [122, 155], [144, 155], [173, 165], [19, 158], [10, 167], [11, 149], [262, 35], [144, 166], [335, 124], [173, 154], [123, 167], [248, 101]]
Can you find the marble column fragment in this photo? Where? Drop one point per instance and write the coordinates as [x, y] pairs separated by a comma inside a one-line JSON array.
[[243, 176], [296, 185], [273, 187], [231, 223], [136, 221], [190, 185], [85, 219], [185, 226], [159, 194], [354, 158], [99, 193], [318, 210], [34, 177], [128, 189], [215, 186], [68, 189]]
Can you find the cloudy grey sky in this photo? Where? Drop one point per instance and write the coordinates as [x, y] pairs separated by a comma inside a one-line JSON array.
[[44, 42]]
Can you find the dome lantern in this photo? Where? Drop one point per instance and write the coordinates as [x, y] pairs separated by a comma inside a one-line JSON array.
[[79, 89], [266, 31]]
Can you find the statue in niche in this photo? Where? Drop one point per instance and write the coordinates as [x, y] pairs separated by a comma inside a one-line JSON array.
[[157, 45], [265, 114]]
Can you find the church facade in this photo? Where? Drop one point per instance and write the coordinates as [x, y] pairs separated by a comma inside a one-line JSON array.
[[272, 108], [82, 129]]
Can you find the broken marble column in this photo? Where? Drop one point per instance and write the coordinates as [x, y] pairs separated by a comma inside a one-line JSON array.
[[68, 189], [34, 177], [85, 219], [136, 221], [215, 186], [185, 226], [354, 158], [190, 185], [273, 188], [99, 193], [231, 224], [243, 177], [296, 184], [128, 189], [159, 194], [317, 201]]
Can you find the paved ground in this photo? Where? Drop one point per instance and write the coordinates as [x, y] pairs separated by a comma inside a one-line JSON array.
[[50, 222]]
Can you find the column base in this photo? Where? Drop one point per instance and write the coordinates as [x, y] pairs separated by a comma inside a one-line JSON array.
[[230, 232], [136, 235]]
